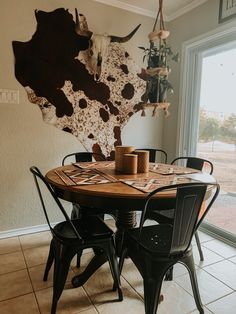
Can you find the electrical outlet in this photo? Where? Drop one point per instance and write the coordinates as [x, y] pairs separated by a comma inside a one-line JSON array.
[[9, 96]]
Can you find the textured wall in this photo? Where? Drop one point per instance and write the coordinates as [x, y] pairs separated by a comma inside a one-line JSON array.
[[25, 139]]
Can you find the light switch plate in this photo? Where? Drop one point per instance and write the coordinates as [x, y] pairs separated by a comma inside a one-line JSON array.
[[9, 96]]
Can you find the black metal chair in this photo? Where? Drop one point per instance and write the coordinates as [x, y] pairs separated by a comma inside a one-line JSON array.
[[81, 157], [164, 216], [71, 236], [84, 157], [157, 154], [198, 164], [195, 163], [155, 249], [77, 210]]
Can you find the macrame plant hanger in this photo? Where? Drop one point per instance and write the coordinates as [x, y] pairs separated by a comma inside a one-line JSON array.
[[156, 72]]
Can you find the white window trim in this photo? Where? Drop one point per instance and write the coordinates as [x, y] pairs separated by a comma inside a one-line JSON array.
[[190, 78]]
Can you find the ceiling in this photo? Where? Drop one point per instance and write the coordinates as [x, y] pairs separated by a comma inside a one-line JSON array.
[[171, 8]]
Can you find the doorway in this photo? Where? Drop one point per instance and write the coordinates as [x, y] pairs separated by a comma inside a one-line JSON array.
[[217, 132], [207, 118]]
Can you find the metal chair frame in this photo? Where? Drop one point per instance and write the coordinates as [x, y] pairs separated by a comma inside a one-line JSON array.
[[84, 156], [153, 152], [77, 210], [72, 236], [155, 249], [195, 163]]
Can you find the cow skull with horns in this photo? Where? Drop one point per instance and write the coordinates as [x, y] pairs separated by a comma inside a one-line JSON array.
[[98, 44]]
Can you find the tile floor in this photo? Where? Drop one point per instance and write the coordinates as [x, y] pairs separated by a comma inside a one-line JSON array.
[[22, 262]]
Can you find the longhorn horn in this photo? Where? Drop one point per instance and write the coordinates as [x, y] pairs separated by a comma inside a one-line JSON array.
[[126, 38], [36, 14], [82, 31]]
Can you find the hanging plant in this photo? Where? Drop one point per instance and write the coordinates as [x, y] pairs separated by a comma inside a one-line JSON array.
[[158, 56]]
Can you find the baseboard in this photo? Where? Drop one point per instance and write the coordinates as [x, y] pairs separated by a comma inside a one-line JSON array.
[[22, 231], [219, 234], [28, 230]]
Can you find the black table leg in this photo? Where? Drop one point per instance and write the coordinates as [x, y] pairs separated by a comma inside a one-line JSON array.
[[96, 262]]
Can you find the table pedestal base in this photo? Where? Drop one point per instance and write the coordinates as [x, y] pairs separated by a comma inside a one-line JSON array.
[[96, 262], [124, 220]]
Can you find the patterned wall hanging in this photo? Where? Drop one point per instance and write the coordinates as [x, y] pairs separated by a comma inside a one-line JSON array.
[[84, 83]]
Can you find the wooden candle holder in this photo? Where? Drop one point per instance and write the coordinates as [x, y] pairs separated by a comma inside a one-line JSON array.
[[130, 163], [143, 161], [119, 154]]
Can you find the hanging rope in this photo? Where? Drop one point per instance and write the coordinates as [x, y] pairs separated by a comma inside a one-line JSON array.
[[162, 26], [159, 12]]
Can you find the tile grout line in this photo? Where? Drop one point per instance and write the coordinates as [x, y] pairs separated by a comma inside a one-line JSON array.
[[89, 299], [200, 291], [205, 247], [220, 280], [27, 267], [133, 288], [219, 299]]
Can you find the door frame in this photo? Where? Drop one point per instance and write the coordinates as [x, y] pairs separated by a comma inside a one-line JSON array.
[[193, 51]]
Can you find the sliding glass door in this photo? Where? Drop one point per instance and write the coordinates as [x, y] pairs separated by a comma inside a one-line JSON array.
[[207, 118], [217, 132]]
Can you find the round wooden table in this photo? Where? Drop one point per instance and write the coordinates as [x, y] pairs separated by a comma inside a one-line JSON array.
[[118, 196]]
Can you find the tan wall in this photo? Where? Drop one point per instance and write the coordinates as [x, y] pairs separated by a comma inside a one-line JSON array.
[[194, 23], [25, 139]]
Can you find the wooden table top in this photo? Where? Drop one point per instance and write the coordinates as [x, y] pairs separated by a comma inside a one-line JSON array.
[[117, 194]]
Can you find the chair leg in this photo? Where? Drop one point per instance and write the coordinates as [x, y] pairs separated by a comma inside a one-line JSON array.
[[63, 257], [152, 292], [169, 274], [78, 258], [76, 211], [199, 246], [49, 261], [76, 214], [189, 263], [122, 258], [121, 263], [114, 269], [153, 275]]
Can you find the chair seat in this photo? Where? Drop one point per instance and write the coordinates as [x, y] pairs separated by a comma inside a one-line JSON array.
[[162, 216], [154, 239], [90, 229]]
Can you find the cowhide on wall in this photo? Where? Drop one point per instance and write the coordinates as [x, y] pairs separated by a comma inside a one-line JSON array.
[[53, 68]]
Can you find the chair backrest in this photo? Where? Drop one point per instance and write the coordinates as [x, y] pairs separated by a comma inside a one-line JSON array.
[[155, 153], [195, 163], [84, 157], [188, 202], [38, 177]]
